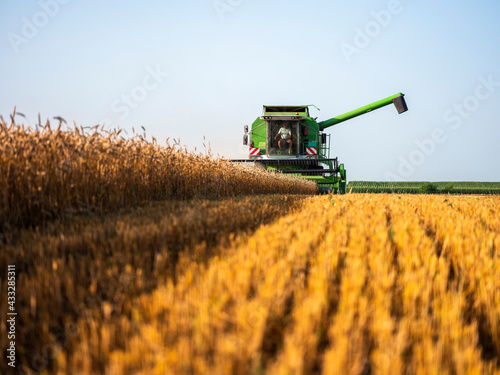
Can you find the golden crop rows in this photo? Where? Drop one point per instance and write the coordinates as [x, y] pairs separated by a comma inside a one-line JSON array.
[[47, 173], [71, 269], [347, 285]]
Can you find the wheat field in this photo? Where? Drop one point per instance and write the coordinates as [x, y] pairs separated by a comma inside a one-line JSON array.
[[134, 258], [347, 285], [47, 173]]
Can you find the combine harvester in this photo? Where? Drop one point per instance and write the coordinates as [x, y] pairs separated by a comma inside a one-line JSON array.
[[286, 139]]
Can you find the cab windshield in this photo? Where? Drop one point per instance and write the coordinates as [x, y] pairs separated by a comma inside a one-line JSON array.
[[282, 138]]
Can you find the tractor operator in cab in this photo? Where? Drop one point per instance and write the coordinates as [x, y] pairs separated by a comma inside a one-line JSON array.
[[286, 137]]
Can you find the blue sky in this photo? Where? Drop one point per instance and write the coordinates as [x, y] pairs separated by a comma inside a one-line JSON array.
[[189, 69]]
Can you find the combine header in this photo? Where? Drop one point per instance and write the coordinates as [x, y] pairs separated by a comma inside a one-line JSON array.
[[286, 139]]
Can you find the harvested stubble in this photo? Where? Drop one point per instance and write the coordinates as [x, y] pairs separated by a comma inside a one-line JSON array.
[[46, 173], [93, 265], [349, 285]]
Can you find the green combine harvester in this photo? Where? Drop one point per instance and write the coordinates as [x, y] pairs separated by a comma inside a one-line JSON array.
[[286, 139]]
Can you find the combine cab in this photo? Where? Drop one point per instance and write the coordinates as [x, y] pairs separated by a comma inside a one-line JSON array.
[[286, 139]]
